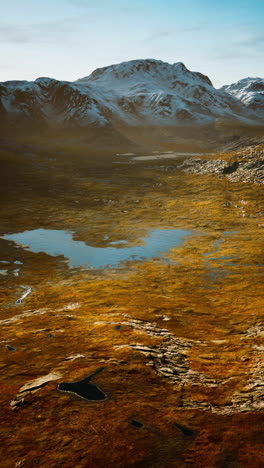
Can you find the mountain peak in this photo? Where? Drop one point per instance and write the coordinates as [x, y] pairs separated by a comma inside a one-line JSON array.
[[125, 70], [250, 91], [145, 71]]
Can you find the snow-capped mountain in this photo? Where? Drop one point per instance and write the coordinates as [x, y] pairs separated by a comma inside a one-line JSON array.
[[140, 92], [250, 91]]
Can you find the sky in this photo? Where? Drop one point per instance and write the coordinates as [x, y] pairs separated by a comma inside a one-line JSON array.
[[68, 39]]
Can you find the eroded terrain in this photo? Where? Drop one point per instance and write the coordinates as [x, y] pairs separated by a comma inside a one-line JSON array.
[[177, 344]]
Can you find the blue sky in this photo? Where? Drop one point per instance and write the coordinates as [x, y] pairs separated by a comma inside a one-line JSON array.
[[68, 39]]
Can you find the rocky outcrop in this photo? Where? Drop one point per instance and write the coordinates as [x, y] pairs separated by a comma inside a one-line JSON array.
[[170, 360], [247, 165], [32, 387]]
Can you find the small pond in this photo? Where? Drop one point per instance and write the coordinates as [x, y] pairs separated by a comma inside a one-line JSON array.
[[79, 254]]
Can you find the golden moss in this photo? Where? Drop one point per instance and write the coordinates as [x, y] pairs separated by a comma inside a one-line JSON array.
[[210, 294]]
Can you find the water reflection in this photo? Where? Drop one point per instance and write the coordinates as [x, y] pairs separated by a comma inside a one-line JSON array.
[[78, 253]]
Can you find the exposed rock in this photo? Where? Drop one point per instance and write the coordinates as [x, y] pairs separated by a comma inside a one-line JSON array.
[[28, 313], [248, 166], [74, 357], [71, 306], [32, 387], [255, 330], [169, 359], [37, 383]]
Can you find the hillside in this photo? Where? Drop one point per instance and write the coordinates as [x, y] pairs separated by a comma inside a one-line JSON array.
[[139, 92]]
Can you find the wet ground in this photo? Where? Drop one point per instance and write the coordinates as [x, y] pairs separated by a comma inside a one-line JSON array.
[[179, 335]]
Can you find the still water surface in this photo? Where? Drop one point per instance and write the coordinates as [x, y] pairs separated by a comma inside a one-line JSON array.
[[78, 253]]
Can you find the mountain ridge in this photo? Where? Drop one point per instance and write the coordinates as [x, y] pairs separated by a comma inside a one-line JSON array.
[[135, 93]]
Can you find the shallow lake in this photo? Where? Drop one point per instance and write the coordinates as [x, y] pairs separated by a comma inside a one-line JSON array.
[[78, 253]]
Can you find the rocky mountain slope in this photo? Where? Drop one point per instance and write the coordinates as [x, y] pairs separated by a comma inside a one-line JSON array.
[[135, 93], [250, 91]]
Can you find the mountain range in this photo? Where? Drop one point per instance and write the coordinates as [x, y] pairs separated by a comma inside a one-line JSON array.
[[137, 93]]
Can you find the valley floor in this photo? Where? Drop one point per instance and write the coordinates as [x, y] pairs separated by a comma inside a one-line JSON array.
[[180, 341]]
